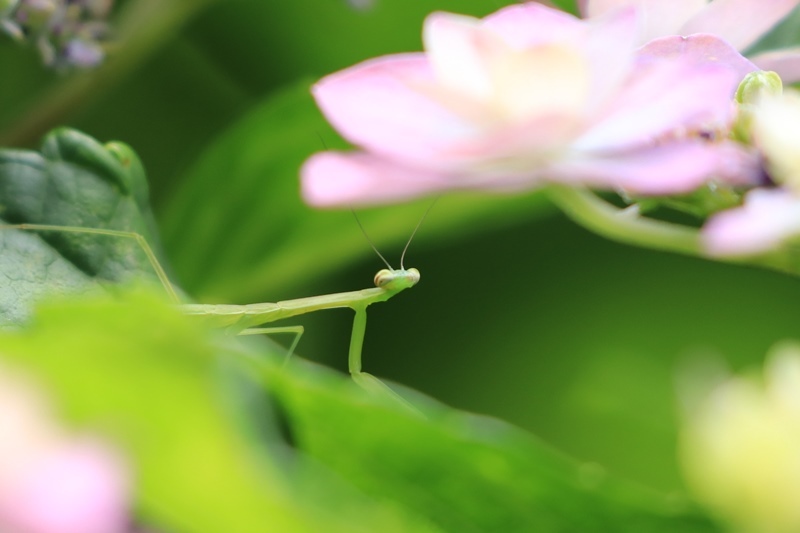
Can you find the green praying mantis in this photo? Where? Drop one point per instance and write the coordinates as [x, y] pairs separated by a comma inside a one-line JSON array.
[[249, 319], [71, 162]]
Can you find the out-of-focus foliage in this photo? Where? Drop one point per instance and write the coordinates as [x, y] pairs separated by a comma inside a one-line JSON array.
[[154, 386], [168, 393], [519, 314]]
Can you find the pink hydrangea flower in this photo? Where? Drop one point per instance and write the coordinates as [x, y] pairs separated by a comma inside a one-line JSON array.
[[526, 95], [740, 22], [52, 481]]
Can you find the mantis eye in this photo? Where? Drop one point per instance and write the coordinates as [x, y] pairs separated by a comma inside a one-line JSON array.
[[383, 277]]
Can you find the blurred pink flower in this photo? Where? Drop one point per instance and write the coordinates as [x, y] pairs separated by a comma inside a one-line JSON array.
[[52, 482], [740, 22], [768, 218], [526, 95], [79, 487]]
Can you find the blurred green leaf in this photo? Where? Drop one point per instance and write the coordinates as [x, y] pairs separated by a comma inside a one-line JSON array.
[[313, 37], [149, 378], [136, 369], [785, 34], [464, 472], [73, 181], [570, 6]]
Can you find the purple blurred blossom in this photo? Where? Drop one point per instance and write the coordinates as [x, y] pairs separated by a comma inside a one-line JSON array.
[[68, 33]]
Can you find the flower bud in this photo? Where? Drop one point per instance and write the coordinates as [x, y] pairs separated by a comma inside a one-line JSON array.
[[755, 87], [758, 84]]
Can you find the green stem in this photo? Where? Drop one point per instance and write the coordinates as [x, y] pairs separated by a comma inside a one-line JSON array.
[[595, 214]]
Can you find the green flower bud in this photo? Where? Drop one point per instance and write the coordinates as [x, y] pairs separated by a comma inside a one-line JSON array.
[[758, 84], [754, 88]]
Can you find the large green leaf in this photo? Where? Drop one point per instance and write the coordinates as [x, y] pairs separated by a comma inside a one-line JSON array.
[[73, 182], [147, 376]]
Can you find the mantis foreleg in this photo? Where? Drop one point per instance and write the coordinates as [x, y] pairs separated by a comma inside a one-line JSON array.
[[365, 380]]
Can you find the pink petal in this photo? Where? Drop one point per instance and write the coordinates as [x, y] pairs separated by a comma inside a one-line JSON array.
[[379, 106], [330, 179], [662, 18], [80, 488], [674, 168], [700, 49], [785, 62], [610, 48], [531, 24], [740, 22], [658, 18], [546, 134], [767, 218], [467, 54], [462, 54], [699, 98]]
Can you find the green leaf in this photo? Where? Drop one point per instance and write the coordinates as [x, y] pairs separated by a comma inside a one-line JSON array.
[[149, 379], [73, 182], [144, 375], [464, 472]]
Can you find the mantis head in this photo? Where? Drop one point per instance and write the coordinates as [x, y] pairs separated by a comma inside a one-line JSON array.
[[396, 280]]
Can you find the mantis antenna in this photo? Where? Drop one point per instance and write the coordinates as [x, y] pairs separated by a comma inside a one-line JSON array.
[[424, 216], [405, 248], [366, 235], [360, 225]]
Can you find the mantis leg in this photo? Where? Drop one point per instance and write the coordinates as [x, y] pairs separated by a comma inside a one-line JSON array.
[[297, 331], [364, 380], [139, 239]]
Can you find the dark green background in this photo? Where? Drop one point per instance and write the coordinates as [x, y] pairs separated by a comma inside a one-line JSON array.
[[519, 313]]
